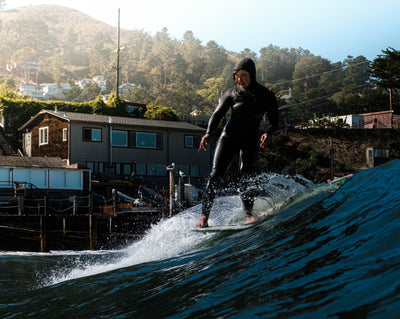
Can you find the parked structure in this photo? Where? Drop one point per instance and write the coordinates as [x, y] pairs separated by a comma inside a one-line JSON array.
[[118, 147]]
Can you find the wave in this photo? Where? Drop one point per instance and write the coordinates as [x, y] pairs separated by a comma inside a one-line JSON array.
[[325, 252]]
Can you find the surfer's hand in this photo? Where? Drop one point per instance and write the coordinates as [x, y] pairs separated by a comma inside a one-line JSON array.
[[265, 140], [204, 141]]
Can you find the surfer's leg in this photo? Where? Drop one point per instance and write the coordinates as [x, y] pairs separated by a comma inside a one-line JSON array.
[[222, 158], [248, 156]]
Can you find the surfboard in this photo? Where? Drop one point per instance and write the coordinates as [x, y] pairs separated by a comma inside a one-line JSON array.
[[234, 227]]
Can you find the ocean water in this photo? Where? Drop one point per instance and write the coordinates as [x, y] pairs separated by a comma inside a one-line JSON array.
[[322, 252]]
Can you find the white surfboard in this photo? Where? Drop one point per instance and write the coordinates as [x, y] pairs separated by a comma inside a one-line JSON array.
[[234, 227]]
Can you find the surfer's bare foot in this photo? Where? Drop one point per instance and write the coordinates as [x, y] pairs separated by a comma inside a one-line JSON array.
[[251, 218], [203, 223]]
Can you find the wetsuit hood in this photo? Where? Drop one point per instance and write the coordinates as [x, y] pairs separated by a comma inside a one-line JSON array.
[[248, 65]]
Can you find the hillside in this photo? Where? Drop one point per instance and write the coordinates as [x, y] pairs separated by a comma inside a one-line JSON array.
[[59, 19], [67, 45], [307, 152]]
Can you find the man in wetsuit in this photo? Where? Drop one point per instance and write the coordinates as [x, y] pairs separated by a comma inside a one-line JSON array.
[[249, 101]]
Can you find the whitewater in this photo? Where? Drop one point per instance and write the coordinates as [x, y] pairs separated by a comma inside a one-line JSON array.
[[323, 252]]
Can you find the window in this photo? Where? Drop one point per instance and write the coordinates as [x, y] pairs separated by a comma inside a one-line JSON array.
[[141, 169], [127, 169], [90, 165], [161, 170], [151, 169], [28, 144], [65, 134], [101, 167], [194, 171], [145, 140], [192, 141], [119, 138], [92, 134], [44, 135], [117, 168]]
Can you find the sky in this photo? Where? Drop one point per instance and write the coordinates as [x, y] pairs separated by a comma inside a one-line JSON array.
[[332, 29]]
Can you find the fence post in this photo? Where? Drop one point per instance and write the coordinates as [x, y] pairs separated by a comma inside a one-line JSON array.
[[90, 203], [75, 206], [115, 201], [45, 203], [92, 232], [20, 205], [170, 169], [43, 233]]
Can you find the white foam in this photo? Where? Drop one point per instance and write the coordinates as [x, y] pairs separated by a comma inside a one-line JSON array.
[[175, 236]]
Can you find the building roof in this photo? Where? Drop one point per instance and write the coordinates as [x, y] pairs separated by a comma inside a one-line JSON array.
[[116, 120], [25, 161]]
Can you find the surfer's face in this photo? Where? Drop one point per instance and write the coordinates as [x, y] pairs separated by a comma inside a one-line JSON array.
[[242, 78]]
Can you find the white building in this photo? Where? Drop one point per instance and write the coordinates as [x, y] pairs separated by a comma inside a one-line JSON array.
[[353, 120], [99, 80], [33, 91]]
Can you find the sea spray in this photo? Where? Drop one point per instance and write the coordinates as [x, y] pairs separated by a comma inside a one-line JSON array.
[[175, 236]]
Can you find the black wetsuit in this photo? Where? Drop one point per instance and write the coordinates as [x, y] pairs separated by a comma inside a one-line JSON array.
[[241, 133]]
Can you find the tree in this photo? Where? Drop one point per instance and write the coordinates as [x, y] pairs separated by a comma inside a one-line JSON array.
[[278, 64], [74, 94], [386, 69], [356, 71], [308, 72], [8, 91], [194, 57], [308, 96], [91, 92], [155, 112]]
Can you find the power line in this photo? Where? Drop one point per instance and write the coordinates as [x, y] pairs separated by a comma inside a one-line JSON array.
[[322, 73]]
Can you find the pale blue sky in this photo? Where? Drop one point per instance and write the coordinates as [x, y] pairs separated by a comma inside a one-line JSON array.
[[332, 29]]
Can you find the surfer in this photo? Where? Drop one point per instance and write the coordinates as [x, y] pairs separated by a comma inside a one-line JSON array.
[[249, 102]]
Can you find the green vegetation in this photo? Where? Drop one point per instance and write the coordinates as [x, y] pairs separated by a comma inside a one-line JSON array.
[[307, 152], [174, 77], [16, 112], [186, 74]]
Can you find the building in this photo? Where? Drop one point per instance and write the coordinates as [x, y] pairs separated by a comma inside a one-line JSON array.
[[384, 119], [53, 91], [373, 120], [33, 91], [118, 147], [99, 80], [45, 91], [45, 173], [353, 120]]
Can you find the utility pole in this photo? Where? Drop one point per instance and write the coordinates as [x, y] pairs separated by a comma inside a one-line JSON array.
[[117, 51], [332, 160]]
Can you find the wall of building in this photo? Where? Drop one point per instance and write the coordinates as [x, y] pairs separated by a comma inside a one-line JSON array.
[[56, 147]]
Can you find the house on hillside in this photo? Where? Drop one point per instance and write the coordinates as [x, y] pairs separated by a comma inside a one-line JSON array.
[[384, 119], [32, 90], [99, 80], [53, 91], [118, 147], [353, 120], [374, 120]]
